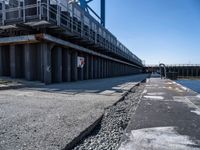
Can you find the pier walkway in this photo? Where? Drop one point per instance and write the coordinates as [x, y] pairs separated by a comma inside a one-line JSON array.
[[167, 118]]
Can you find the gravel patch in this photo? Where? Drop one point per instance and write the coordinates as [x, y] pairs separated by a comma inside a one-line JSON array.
[[107, 135]]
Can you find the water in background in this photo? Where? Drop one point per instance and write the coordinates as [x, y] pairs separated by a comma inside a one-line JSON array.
[[192, 84]]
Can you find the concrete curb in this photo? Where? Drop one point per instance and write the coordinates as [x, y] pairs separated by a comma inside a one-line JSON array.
[[83, 134], [125, 131], [87, 131]]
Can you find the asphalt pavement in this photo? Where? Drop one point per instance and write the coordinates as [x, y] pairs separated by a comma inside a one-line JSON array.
[[52, 116]]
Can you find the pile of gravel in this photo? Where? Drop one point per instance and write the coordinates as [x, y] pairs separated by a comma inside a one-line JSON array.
[[107, 135]]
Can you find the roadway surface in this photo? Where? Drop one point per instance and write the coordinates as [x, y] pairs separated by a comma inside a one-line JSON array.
[[167, 118], [50, 117]]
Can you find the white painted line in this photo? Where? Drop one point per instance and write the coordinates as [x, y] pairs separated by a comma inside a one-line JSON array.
[[155, 97], [156, 94]]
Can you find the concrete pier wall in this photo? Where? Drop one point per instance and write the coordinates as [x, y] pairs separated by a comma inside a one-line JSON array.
[[181, 71], [51, 63]]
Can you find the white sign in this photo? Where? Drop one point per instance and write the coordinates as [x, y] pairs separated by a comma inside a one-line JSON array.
[[80, 62]]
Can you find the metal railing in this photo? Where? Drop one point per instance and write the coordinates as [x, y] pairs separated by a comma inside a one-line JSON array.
[[176, 65], [68, 16]]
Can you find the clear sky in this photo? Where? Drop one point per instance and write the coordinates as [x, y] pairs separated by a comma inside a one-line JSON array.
[[166, 31]]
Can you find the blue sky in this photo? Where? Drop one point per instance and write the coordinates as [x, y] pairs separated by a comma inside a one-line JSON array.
[[166, 31]]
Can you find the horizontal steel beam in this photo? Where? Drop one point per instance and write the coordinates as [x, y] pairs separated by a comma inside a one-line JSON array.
[[18, 40], [49, 38]]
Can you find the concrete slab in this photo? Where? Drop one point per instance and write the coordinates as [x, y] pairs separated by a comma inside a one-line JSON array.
[[6, 84], [10, 83], [50, 117], [168, 117]]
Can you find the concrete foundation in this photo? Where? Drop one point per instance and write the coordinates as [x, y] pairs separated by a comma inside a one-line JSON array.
[[51, 63]]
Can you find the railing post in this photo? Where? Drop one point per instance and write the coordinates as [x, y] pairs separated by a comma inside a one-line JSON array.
[[90, 28], [24, 11], [48, 3], [72, 22], [82, 23], [40, 9], [37, 5], [19, 9], [58, 13], [95, 32], [3, 13]]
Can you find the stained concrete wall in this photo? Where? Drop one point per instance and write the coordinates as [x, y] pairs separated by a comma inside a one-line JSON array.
[[51, 63]]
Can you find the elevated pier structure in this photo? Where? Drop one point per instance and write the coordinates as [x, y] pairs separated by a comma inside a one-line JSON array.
[[57, 41], [177, 71]]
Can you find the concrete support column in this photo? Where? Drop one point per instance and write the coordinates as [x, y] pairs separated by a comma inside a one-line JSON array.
[[66, 65], [13, 70], [91, 67], [28, 62], [95, 68], [57, 65], [101, 68], [17, 61], [109, 69], [86, 67], [104, 68], [40, 62], [118, 70], [114, 70], [123, 69], [98, 67], [47, 63], [1, 61], [81, 70], [74, 71], [5, 61]]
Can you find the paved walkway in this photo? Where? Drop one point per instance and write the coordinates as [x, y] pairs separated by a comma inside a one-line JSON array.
[[167, 118], [50, 117]]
